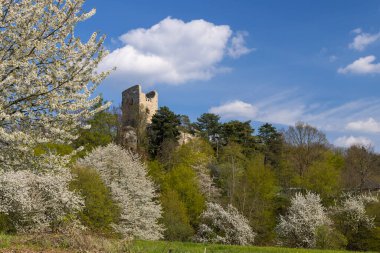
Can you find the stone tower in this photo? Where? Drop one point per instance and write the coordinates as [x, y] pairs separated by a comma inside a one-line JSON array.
[[137, 111], [137, 106]]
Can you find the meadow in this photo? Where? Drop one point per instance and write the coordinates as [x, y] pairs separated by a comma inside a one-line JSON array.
[[95, 244]]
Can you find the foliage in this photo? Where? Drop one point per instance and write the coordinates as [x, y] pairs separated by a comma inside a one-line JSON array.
[[131, 188], [352, 219], [47, 76], [324, 176], [209, 126], [224, 226], [36, 202], [360, 167], [306, 144], [182, 179], [272, 145], [104, 127], [100, 211], [256, 196], [239, 132], [175, 217], [329, 238], [164, 126], [179, 183], [352, 212], [298, 228], [231, 166], [199, 155]]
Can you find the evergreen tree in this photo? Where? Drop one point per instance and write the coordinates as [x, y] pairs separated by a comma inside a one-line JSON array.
[[209, 126], [164, 127], [271, 145]]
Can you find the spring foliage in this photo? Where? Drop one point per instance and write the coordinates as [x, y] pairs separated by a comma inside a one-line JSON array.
[[226, 226], [35, 202], [45, 73], [352, 215], [130, 186], [298, 228]]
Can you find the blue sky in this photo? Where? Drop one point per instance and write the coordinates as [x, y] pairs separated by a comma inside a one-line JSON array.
[[265, 61]]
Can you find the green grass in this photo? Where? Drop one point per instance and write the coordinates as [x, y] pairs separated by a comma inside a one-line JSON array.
[[55, 243], [185, 247]]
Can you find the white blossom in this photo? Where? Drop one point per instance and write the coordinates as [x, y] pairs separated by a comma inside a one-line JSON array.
[[224, 226], [305, 215], [47, 76], [130, 186], [352, 213], [34, 201]]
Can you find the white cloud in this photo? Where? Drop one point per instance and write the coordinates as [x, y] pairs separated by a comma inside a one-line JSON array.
[[370, 125], [173, 52], [289, 107], [362, 40], [286, 108], [238, 47], [364, 65], [235, 109], [357, 30], [348, 141]]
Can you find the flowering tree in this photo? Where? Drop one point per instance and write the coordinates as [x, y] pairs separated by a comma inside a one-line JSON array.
[[352, 215], [45, 77], [33, 202], [224, 226], [299, 227], [127, 178]]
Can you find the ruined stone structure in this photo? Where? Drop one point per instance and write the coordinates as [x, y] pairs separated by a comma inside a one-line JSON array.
[[137, 106], [137, 111]]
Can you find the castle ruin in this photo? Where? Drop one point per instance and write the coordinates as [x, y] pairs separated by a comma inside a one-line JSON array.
[[137, 106], [138, 109]]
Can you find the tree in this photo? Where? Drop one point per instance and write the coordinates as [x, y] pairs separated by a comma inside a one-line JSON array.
[[352, 219], [298, 228], [47, 79], [231, 168], [175, 217], [100, 212], [199, 155], [209, 126], [272, 145], [37, 202], [47, 76], [186, 126], [104, 130], [324, 176], [224, 226], [360, 164], [306, 144], [164, 126], [256, 196], [131, 188], [239, 132]]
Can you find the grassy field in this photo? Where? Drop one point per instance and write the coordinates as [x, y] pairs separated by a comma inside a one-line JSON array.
[[176, 247], [51, 243]]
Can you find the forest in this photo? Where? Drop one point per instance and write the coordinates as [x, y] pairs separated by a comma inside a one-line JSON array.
[[289, 187]]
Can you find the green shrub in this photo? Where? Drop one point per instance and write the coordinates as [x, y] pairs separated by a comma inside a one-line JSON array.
[[328, 238], [100, 210], [6, 225], [175, 218]]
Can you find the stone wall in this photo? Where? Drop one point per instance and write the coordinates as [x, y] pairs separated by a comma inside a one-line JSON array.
[[137, 106]]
